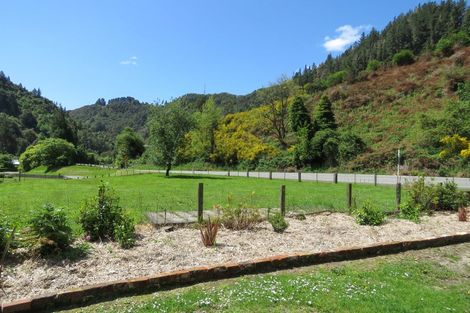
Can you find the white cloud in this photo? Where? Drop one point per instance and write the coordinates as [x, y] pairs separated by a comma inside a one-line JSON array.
[[347, 35], [129, 61]]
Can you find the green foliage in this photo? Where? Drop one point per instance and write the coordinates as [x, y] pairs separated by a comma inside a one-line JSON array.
[[6, 162], [51, 229], [168, 127], [404, 57], [299, 116], [50, 152], [124, 232], [350, 145], [102, 218], [303, 149], [335, 78], [410, 211], [373, 65], [278, 222], [9, 134], [6, 229], [129, 146], [324, 117], [441, 196], [325, 147], [368, 214], [445, 46]]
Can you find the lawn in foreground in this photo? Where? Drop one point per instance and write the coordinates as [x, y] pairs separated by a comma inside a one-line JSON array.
[[154, 192], [386, 284]]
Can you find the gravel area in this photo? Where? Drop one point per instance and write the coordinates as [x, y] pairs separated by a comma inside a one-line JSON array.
[[160, 251]]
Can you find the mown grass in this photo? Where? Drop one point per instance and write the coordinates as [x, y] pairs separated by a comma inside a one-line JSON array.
[[373, 286], [154, 192]]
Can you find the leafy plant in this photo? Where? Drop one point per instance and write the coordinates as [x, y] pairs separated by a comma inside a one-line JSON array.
[[403, 57], [3, 254], [124, 232], [369, 214], [51, 229], [278, 222], [102, 218], [209, 231], [410, 212]]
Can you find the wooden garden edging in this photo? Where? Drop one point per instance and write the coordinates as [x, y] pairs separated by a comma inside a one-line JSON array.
[[146, 284]]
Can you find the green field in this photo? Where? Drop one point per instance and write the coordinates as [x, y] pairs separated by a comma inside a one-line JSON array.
[[76, 170], [154, 192], [431, 280]]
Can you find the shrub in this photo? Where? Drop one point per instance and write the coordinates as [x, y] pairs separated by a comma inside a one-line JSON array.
[[209, 233], [335, 78], [5, 162], [243, 216], [442, 196], [445, 46], [5, 232], [368, 214], [51, 229], [404, 57], [124, 232], [278, 222], [373, 65], [103, 219], [410, 212]]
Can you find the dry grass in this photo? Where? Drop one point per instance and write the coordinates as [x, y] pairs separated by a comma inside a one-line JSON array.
[[209, 233], [462, 215]]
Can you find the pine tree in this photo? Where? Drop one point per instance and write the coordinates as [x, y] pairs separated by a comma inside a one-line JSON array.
[[324, 117], [299, 116]]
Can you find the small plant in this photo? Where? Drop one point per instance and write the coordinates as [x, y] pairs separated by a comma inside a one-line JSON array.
[[244, 216], [51, 230], [102, 218], [209, 232], [403, 57], [410, 212], [3, 254], [368, 214], [462, 215], [278, 222], [124, 232]]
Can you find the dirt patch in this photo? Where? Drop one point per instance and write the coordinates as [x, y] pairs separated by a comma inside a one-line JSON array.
[[160, 251]]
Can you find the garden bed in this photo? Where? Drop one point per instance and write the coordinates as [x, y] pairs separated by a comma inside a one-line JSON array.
[[160, 251]]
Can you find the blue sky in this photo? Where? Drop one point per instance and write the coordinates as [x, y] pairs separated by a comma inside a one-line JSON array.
[[78, 51]]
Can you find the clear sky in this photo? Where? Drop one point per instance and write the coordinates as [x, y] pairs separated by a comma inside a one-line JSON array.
[[81, 50]]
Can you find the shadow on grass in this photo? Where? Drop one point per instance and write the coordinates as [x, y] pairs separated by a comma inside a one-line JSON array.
[[183, 176]]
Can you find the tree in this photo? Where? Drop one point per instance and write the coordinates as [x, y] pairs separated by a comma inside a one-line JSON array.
[[299, 116], [129, 146], [50, 152], [303, 149], [324, 117], [276, 97], [203, 137], [10, 133], [168, 127]]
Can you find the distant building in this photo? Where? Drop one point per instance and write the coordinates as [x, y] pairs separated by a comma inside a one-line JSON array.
[[15, 162]]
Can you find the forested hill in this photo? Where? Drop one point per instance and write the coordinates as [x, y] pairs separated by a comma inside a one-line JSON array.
[[26, 116]]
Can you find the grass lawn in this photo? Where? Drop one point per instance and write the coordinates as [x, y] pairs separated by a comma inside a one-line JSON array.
[[154, 192], [417, 281]]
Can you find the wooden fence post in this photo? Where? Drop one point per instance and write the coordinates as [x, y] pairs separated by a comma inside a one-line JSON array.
[[19, 176], [335, 178], [282, 200], [247, 173], [270, 175], [316, 177], [228, 173], [299, 178], [349, 196], [375, 179], [398, 195], [200, 202]]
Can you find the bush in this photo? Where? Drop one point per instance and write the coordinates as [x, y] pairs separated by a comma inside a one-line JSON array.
[[410, 212], [445, 46], [50, 152], [442, 196], [102, 218], [278, 222], [335, 78], [5, 232], [5, 162], [373, 65], [51, 229], [404, 57], [368, 214], [124, 232], [240, 217]]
